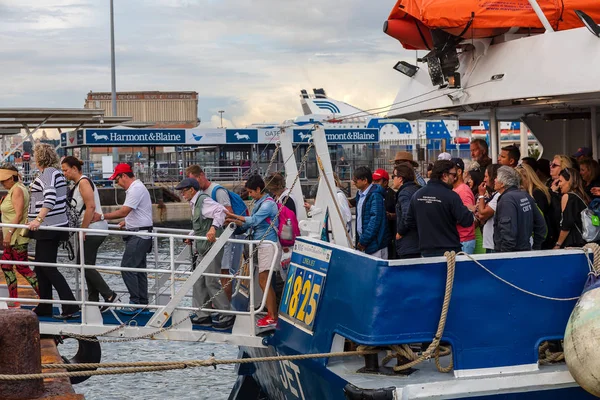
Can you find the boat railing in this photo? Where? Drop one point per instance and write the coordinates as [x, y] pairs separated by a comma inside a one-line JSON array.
[[166, 297]]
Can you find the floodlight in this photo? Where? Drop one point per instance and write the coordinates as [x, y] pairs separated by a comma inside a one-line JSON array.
[[406, 68]]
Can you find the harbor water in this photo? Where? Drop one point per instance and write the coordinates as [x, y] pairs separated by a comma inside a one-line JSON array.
[[191, 383]]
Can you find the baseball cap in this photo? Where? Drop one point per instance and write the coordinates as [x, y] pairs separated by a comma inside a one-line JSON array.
[[444, 156], [121, 169], [380, 174], [459, 163], [188, 182], [583, 151]]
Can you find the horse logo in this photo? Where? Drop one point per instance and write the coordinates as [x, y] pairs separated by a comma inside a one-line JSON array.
[[304, 136], [99, 137], [240, 136]]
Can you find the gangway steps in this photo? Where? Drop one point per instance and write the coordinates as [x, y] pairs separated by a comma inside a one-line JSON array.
[[137, 326]]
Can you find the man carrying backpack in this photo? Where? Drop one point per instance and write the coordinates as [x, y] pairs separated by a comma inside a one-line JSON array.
[[232, 252], [208, 218]]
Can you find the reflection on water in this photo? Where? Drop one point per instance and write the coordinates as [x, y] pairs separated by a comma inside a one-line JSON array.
[[196, 383]]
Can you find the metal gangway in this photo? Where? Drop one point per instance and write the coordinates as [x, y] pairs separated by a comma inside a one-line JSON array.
[[166, 317]]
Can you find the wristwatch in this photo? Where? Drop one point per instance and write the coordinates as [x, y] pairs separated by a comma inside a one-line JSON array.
[[101, 217]]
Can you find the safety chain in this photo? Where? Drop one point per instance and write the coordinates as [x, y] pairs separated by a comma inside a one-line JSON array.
[[151, 366], [93, 338], [273, 158]]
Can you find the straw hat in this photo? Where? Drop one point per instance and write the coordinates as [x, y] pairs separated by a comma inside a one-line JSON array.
[[404, 156]]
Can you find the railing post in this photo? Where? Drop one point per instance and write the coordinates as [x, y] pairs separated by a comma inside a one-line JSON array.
[[157, 279], [251, 287], [172, 259], [81, 237]]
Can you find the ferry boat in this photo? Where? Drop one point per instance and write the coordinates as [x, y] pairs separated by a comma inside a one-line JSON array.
[[500, 309]]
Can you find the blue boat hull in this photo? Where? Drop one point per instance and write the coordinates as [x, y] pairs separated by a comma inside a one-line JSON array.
[[500, 312], [307, 380]]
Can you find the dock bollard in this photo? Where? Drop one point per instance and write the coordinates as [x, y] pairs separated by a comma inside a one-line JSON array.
[[20, 354]]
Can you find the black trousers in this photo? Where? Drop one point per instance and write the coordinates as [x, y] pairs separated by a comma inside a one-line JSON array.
[[46, 250], [95, 283]]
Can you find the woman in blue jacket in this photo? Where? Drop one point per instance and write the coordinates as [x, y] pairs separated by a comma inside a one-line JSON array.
[[264, 212]]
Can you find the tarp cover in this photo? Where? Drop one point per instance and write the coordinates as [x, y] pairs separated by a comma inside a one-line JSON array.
[[454, 15]]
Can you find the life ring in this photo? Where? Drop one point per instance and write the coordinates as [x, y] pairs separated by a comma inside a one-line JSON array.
[[87, 352]]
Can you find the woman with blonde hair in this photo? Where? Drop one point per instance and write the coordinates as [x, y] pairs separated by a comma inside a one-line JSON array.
[[531, 183], [14, 211], [559, 163], [48, 208]]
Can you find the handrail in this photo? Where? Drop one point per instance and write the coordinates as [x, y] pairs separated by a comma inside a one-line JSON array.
[[170, 234]]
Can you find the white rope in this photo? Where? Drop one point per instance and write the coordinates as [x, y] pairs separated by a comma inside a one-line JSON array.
[[541, 296]]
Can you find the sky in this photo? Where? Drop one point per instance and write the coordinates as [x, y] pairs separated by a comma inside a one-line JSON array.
[[247, 57]]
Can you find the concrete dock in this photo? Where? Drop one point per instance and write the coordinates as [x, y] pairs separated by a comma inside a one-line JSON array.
[[56, 388]]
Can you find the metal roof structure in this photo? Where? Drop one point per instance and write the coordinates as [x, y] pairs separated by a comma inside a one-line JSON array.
[[59, 118], [33, 119]]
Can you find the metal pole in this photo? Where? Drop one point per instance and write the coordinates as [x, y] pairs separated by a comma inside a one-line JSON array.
[[494, 142], [113, 78], [524, 141], [221, 113], [594, 127], [540, 14]]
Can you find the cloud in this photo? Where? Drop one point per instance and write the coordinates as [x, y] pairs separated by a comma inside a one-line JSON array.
[[248, 58]]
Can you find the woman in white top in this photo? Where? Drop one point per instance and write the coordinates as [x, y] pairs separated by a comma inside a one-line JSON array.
[[84, 196], [486, 206]]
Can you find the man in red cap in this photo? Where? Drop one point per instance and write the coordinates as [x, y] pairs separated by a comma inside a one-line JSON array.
[[137, 211], [382, 178]]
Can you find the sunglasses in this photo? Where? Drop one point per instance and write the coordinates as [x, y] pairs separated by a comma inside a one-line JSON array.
[[452, 173], [553, 165]]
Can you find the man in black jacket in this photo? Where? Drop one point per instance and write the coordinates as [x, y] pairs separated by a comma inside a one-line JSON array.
[[517, 216], [407, 245], [435, 210]]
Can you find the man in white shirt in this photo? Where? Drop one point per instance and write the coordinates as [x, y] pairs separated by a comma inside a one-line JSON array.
[[208, 218], [137, 211]]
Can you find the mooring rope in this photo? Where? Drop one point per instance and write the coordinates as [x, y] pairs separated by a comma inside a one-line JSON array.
[[152, 366], [433, 349]]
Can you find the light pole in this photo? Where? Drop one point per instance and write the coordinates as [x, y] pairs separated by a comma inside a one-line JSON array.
[[113, 79], [221, 112]]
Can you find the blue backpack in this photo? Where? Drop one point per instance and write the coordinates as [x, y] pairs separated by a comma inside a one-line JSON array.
[[237, 204]]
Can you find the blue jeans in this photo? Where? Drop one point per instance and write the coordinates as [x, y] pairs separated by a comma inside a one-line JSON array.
[[135, 257], [469, 246]]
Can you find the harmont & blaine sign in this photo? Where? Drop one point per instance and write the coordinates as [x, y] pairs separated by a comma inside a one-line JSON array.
[[340, 135], [116, 137]]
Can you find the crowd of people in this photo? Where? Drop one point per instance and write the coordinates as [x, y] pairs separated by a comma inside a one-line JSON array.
[[515, 205], [470, 206]]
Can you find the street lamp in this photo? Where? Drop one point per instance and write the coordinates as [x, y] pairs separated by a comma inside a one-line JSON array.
[[113, 79], [221, 112]]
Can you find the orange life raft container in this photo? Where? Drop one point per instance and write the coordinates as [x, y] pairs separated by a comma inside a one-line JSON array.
[[411, 21]]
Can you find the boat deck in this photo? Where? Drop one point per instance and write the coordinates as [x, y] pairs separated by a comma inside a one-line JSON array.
[[427, 382]]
